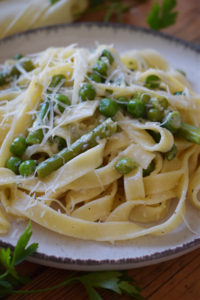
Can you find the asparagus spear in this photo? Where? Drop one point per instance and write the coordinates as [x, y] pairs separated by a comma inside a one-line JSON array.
[[171, 154], [36, 136], [173, 122], [56, 80], [87, 141], [190, 133]]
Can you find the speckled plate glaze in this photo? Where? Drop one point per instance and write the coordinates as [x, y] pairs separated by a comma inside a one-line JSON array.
[[64, 252]]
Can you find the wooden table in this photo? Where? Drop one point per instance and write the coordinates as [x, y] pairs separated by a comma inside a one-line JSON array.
[[175, 279]]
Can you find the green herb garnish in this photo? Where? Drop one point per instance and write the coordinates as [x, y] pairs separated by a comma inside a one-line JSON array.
[[11, 280], [113, 8], [181, 71], [162, 15], [53, 1]]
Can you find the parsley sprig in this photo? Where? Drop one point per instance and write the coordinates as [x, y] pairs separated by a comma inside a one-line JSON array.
[[112, 8], [11, 280], [162, 15], [53, 1]]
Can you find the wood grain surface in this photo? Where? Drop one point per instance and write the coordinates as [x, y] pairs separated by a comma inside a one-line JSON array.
[[171, 280]]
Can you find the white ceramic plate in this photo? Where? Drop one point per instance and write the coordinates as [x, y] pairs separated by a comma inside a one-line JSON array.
[[64, 252]]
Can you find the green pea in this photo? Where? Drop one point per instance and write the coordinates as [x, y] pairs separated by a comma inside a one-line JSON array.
[[14, 72], [87, 92], [13, 164], [160, 103], [18, 56], [18, 146], [152, 81], [172, 121], [35, 137], [125, 165], [171, 154], [101, 67], [154, 115], [163, 102], [62, 99], [109, 56], [149, 169], [27, 64], [108, 107], [27, 167], [145, 98], [136, 108], [96, 77], [4, 77]]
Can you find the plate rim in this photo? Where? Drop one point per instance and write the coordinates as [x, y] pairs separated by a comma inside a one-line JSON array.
[[166, 36], [156, 256]]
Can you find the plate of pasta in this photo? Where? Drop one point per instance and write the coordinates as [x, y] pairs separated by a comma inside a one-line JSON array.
[[100, 145]]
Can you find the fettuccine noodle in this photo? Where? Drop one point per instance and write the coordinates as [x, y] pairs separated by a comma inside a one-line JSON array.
[[128, 182]]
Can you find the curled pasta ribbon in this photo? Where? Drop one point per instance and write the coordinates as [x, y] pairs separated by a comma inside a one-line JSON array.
[[75, 197], [105, 175], [97, 209], [143, 210], [172, 83], [136, 132], [144, 59]]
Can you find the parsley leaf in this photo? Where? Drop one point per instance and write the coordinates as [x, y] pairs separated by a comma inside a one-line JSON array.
[[131, 290], [113, 8], [114, 281], [162, 15], [96, 2], [93, 295], [21, 252], [53, 1], [5, 257], [105, 280], [116, 8], [10, 280]]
